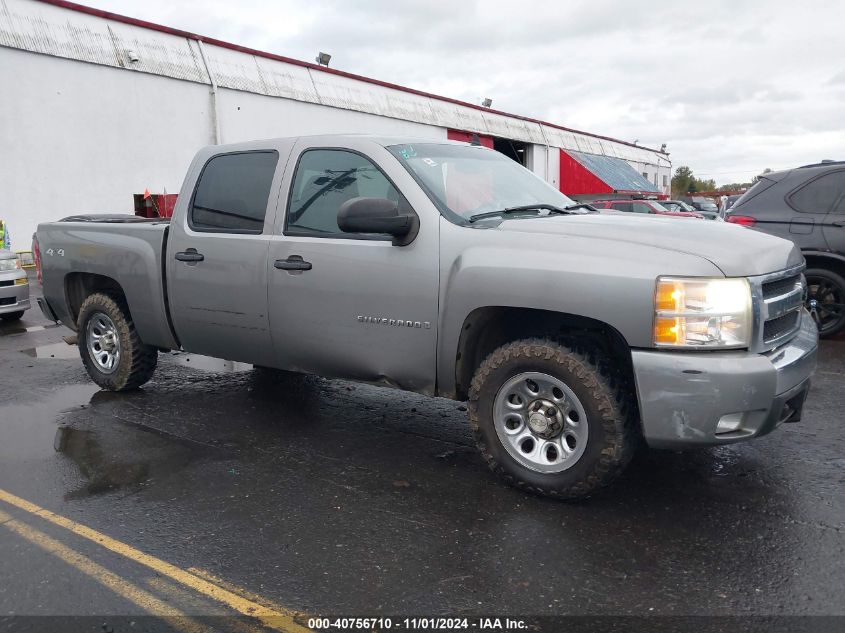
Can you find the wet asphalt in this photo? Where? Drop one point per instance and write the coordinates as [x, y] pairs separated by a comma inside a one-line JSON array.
[[330, 497]]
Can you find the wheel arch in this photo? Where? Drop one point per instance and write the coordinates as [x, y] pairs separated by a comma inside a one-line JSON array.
[[80, 286], [825, 259], [833, 264], [488, 328]]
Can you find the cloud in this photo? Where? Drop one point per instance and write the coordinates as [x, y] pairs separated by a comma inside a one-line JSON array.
[[725, 84], [838, 78]]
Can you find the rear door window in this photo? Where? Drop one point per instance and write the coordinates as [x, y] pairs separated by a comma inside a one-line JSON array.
[[621, 206], [820, 194], [232, 193], [639, 207]]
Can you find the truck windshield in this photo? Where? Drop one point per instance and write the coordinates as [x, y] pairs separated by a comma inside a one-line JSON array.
[[466, 181]]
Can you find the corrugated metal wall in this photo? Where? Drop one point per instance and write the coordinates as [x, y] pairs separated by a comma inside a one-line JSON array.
[[162, 99], [47, 29]]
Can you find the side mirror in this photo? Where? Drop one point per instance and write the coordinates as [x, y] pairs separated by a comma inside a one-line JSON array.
[[379, 215]]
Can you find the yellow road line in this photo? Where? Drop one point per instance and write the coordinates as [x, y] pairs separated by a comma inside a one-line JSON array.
[[191, 603], [244, 593], [280, 619], [111, 581]]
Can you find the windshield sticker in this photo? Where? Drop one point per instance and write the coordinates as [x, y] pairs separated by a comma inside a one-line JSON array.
[[429, 162], [408, 152]]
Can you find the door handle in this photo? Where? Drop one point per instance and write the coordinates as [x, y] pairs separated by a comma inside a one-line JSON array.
[[189, 256], [840, 224], [294, 262]]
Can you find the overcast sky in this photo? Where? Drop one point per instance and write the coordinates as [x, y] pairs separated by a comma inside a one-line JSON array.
[[731, 87]]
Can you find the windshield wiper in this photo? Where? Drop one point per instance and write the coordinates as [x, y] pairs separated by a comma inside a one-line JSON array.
[[525, 207], [582, 205]]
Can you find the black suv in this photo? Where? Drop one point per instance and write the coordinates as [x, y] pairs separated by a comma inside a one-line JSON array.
[[807, 206]]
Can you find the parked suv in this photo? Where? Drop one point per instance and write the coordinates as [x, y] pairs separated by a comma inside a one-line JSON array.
[[806, 205], [704, 206], [680, 205]]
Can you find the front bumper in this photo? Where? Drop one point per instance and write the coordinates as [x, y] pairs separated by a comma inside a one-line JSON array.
[[709, 398], [13, 297]]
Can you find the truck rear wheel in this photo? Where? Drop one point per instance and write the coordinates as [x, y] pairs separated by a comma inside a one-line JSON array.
[[550, 420], [110, 347]]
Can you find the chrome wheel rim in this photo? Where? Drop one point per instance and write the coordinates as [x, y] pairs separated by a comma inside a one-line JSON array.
[[103, 342], [540, 422]]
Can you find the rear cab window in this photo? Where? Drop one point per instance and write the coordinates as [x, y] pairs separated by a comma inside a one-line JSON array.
[[232, 192]]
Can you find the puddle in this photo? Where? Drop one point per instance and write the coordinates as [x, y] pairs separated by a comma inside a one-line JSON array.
[[55, 350], [28, 428], [111, 458], [17, 328], [197, 361], [209, 363], [100, 434], [11, 329], [102, 473]]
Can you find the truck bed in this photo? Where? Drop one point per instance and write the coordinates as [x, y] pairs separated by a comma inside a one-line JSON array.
[[112, 218], [83, 251]]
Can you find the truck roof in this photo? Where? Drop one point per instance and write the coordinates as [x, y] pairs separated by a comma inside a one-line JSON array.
[[378, 139]]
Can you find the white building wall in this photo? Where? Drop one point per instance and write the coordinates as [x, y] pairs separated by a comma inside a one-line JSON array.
[[93, 110], [245, 116], [82, 138], [545, 162]]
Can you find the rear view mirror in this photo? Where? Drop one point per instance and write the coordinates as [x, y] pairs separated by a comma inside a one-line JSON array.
[[379, 215]]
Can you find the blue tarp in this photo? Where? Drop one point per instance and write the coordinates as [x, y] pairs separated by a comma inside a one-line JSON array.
[[617, 173]]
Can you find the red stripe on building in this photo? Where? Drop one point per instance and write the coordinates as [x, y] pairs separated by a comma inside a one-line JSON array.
[[467, 137], [575, 179]]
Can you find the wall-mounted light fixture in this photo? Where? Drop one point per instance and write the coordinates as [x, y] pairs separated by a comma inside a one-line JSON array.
[[323, 58]]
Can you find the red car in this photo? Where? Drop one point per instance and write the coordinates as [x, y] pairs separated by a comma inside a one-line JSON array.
[[642, 206]]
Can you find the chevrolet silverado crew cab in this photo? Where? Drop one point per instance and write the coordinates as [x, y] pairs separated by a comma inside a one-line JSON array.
[[449, 270]]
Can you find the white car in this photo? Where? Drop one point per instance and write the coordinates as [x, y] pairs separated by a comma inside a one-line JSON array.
[[14, 287]]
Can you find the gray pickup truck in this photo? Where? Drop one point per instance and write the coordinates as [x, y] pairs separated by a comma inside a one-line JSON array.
[[449, 270]]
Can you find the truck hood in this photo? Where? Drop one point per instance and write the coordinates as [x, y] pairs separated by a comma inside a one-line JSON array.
[[735, 250]]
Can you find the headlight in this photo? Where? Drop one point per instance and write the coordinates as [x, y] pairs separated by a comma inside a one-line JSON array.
[[10, 264], [695, 312]]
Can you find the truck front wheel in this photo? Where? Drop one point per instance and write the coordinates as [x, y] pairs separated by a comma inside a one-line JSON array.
[[111, 349], [550, 420]]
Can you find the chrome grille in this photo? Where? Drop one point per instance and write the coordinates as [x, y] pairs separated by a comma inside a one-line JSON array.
[[778, 301], [780, 286], [777, 327]]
